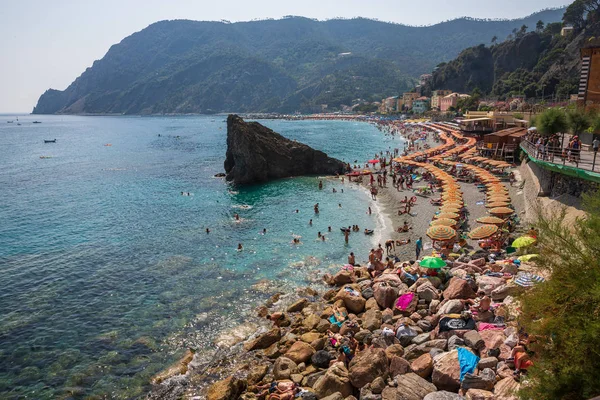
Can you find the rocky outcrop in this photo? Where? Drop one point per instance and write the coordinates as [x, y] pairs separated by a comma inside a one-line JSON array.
[[257, 154]]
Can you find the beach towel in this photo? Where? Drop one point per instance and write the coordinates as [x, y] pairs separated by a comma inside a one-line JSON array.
[[484, 326], [528, 280], [404, 301], [467, 361], [450, 324], [334, 321]]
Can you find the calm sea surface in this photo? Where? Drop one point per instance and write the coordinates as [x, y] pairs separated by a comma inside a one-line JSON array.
[[106, 271]]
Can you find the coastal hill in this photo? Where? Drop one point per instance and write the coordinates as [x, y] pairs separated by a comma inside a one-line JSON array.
[[291, 64], [534, 64]]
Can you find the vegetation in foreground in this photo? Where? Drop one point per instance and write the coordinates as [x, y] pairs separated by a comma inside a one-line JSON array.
[[563, 313]]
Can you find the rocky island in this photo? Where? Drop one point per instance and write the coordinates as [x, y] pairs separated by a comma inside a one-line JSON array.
[[256, 154]]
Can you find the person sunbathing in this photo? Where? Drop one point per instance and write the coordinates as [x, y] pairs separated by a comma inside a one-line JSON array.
[[404, 228], [402, 242], [436, 201], [285, 390]]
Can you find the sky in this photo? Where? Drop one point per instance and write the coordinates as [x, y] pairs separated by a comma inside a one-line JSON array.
[[48, 43]]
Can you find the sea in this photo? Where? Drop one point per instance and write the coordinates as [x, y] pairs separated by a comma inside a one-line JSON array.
[[107, 273]]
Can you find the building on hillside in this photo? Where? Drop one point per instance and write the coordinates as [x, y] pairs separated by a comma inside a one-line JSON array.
[[436, 98], [566, 30], [420, 105], [407, 100], [389, 105], [451, 100], [489, 121], [589, 81]]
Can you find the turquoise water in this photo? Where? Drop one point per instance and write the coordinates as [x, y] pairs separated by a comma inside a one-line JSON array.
[[106, 271]]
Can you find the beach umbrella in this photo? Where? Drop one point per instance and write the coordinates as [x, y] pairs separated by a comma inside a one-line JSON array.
[[449, 215], [443, 221], [528, 257], [373, 161], [490, 220], [453, 203], [523, 241], [432, 263], [528, 279], [450, 209], [501, 211], [441, 232], [496, 195], [455, 196], [497, 204], [483, 231]]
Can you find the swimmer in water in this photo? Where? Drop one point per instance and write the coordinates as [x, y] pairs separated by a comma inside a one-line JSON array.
[[207, 230], [340, 205], [264, 231], [329, 229], [319, 234], [240, 247], [236, 216], [323, 237], [310, 222], [296, 211]]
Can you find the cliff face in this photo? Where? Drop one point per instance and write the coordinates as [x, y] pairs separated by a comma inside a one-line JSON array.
[[257, 154]]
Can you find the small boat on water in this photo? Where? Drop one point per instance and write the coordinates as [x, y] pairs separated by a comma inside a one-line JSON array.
[[9, 122], [49, 140], [37, 122]]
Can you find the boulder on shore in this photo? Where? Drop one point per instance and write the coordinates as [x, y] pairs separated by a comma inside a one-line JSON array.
[[257, 154]]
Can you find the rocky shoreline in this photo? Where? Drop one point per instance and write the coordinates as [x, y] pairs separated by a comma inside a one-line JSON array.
[[407, 353], [360, 339]]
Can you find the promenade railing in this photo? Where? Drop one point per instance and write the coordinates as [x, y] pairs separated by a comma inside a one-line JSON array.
[[579, 158]]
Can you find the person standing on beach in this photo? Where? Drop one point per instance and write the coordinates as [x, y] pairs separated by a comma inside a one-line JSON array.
[[419, 247]]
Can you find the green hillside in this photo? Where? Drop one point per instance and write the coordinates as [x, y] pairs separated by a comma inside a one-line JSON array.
[[292, 64]]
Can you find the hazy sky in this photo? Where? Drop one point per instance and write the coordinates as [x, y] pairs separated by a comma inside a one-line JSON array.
[[48, 43]]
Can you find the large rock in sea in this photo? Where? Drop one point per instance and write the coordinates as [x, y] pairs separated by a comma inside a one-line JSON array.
[[257, 154]]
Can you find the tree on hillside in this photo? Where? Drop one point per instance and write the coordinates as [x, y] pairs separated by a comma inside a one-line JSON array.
[[574, 15], [494, 39], [561, 315], [539, 26], [578, 120], [552, 121], [521, 32]]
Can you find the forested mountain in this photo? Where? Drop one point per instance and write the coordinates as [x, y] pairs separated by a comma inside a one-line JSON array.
[[292, 64], [536, 64]]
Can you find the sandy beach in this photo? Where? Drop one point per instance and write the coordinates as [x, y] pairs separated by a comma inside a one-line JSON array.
[[389, 202]]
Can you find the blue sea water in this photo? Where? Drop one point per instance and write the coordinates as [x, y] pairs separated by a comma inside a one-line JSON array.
[[106, 271]]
